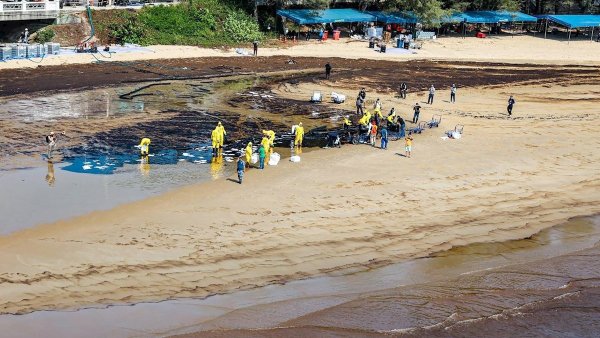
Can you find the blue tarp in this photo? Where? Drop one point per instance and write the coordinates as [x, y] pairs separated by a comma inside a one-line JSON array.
[[394, 17], [311, 16], [573, 21], [489, 17]]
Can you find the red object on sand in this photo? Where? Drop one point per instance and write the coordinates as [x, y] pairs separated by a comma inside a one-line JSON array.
[[481, 35], [325, 35], [336, 35]]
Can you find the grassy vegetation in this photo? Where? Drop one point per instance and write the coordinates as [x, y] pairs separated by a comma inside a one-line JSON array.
[[196, 22]]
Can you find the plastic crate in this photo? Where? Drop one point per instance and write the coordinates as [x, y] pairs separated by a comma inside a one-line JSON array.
[[18, 51], [34, 50], [5, 53], [52, 48]]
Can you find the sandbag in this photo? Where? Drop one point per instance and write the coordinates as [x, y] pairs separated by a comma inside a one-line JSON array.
[[274, 159], [254, 158], [456, 135], [295, 159]]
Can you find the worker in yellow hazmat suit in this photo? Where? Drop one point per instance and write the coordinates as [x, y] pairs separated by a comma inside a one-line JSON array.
[[365, 119], [378, 116], [392, 116], [145, 146], [271, 136], [221, 132], [347, 122], [214, 138], [248, 154], [266, 143], [299, 135]]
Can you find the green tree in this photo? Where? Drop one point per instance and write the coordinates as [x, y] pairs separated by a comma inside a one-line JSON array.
[[429, 11]]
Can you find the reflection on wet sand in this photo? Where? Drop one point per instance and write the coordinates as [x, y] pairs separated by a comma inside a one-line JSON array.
[[216, 165], [50, 175], [145, 165]]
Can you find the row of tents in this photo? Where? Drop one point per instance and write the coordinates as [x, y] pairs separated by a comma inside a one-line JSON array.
[[348, 15]]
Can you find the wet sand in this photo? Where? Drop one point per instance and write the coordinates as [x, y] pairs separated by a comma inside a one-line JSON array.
[[505, 179], [273, 306]]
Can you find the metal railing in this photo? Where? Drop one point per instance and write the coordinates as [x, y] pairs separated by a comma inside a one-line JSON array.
[[12, 6]]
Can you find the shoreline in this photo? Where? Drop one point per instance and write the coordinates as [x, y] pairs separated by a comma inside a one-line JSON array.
[[244, 310]]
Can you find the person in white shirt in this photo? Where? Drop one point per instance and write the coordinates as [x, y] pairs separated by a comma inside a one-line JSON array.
[[431, 93], [453, 93]]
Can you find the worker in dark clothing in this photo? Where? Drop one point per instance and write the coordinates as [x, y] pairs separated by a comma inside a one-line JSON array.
[[362, 94], [417, 109], [359, 106], [403, 90], [511, 102], [255, 46], [327, 70]]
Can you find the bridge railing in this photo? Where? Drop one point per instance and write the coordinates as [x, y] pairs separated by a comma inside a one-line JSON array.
[[14, 6]]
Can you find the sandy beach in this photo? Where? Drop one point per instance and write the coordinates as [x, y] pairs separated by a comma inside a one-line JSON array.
[[506, 48], [342, 210]]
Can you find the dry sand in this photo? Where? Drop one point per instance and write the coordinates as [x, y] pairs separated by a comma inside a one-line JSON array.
[[518, 49], [339, 210]]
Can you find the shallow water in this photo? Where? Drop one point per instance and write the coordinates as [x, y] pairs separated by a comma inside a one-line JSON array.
[[272, 305], [101, 168]]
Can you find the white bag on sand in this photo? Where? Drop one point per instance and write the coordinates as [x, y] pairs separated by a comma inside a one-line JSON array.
[[338, 98], [254, 158], [456, 135], [295, 159], [274, 159]]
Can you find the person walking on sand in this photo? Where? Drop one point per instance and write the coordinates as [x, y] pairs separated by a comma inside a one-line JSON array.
[[241, 166], [384, 137], [431, 94], [403, 90], [417, 109], [408, 146], [327, 71], [511, 103], [373, 133], [51, 140], [255, 47], [453, 93], [261, 157]]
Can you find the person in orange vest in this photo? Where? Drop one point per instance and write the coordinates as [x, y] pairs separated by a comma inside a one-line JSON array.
[[373, 132]]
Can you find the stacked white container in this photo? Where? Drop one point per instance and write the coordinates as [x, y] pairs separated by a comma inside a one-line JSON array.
[[52, 48], [5, 53], [19, 52]]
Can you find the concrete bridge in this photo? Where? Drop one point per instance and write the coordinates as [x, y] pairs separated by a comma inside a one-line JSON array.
[[18, 10]]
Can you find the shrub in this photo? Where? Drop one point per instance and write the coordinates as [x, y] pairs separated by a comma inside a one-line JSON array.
[[240, 27], [44, 35], [125, 29]]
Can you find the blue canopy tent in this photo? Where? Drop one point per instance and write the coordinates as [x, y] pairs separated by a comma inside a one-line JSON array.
[[572, 21], [312, 16], [489, 17], [394, 17]]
